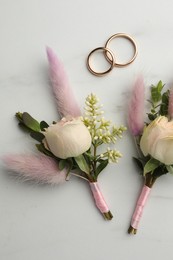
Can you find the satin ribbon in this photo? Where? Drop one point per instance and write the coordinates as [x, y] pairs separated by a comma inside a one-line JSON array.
[[140, 206], [98, 196]]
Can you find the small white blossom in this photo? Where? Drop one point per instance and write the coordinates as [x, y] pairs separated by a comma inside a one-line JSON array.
[[101, 130]]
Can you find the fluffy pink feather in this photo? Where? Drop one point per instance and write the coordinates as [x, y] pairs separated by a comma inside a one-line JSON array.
[[41, 169], [170, 104], [136, 108], [65, 99]]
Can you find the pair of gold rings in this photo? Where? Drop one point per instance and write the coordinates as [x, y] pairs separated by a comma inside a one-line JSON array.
[[109, 55]]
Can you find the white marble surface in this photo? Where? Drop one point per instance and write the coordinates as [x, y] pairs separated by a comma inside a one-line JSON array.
[[40, 223]]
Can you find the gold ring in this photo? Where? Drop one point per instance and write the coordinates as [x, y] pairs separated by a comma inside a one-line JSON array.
[[123, 35], [111, 61]]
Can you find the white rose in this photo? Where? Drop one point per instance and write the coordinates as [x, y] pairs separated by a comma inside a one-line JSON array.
[[157, 140], [67, 138]]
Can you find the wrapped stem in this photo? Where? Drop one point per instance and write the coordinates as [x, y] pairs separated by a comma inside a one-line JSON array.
[[141, 202], [100, 201]]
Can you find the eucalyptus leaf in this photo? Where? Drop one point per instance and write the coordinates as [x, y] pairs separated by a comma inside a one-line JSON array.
[[24, 127], [170, 168], [151, 165], [42, 149], [156, 95], [43, 125], [159, 171], [37, 136], [164, 105], [70, 167], [139, 163], [82, 164], [101, 166], [160, 86], [100, 160], [62, 164], [151, 116], [30, 122], [90, 156]]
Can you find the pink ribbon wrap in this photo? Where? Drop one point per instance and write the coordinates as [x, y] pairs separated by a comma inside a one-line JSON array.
[[140, 206], [98, 196]]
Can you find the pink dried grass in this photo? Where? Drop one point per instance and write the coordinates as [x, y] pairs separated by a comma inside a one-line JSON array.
[[136, 108], [40, 168], [65, 99]]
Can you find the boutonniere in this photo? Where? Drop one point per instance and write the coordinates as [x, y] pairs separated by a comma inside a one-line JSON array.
[[68, 147], [153, 138]]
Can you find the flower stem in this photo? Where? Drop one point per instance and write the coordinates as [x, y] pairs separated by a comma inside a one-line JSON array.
[[95, 161], [108, 215], [132, 230], [149, 181], [79, 176], [99, 201]]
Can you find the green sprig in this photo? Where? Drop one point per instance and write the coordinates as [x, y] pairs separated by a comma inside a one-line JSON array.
[[102, 132], [158, 101]]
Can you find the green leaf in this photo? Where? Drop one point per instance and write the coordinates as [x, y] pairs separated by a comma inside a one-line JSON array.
[[100, 160], [156, 95], [161, 170], [30, 122], [42, 149], [70, 167], [24, 127], [90, 156], [37, 136], [170, 168], [82, 164], [62, 164], [151, 116], [101, 166], [19, 116], [164, 105], [151, 165], [139, 163], [43, 125], [160, 86]]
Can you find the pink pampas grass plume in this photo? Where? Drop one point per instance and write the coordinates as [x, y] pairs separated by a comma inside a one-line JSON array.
[[41, 169], [170, 104], [136, 108], [65, 99]]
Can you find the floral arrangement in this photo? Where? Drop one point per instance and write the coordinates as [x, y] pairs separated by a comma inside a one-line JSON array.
[[70, 146], [154, 139]]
